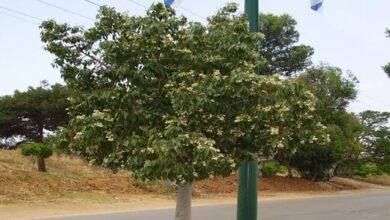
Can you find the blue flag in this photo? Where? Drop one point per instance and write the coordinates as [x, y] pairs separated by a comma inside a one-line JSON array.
[[316, 5], [173, 3]]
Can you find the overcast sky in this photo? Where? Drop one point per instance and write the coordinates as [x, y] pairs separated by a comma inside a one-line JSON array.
[[349, 34]]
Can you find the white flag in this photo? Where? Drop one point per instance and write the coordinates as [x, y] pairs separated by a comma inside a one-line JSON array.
[[173, 3], [316, 5]]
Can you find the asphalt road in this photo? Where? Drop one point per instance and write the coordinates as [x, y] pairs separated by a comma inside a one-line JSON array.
[[371, 206]]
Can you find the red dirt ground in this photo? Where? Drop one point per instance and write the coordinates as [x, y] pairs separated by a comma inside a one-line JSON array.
[[20, 181]]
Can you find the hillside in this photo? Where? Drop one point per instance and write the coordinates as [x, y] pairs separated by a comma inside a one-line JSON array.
[[70, 178]]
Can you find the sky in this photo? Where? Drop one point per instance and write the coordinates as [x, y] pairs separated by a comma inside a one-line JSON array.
[[349, 34]]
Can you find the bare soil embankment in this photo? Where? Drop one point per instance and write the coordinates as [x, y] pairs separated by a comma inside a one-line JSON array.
[[71, 186]]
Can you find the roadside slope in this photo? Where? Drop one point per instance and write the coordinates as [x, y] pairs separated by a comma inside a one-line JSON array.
[[71, 186]]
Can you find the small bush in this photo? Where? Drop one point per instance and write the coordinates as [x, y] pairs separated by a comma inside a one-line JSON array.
[[271, 169], [348, 168], [368, 169], [40, 151], [36, 149]]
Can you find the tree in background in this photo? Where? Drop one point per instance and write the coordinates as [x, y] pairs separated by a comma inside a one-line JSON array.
[[283, 56], [320, 162], [39, 151], [334, 93], [279, 46], [27, 114], [386, 68], [376, 138], [168, 99], [309, 130]]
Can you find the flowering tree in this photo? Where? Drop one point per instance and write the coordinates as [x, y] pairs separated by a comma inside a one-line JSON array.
[[168, 99], [335, 92], [249, 116]]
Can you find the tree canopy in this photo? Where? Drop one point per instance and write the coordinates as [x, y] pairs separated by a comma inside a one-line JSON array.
[[386, 68], [279, 46], [27, 114], [334, 92], [172, 99], [166, 98], [39, 151], [376, 138]]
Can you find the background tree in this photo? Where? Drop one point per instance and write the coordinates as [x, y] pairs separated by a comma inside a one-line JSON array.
[[308, 130], [39, 151], [334, 92], [283, 56], [279, 46], [27, 114], [376, 138], [320, 162], [386, 68]]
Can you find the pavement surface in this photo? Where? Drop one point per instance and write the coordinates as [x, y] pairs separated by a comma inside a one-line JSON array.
[[367, 206]]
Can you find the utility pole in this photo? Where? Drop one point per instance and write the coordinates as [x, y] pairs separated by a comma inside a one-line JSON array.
[[247, 185]]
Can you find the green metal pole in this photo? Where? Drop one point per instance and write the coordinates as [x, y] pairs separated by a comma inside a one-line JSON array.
[[247, 185], [252, 11], [247, 191]]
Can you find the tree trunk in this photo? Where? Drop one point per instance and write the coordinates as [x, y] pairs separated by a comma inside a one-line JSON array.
[[169, 186], [183, 202], [290, 171], [259, 173], [39, 135], [332, 171], [302, 174], [41, 164]]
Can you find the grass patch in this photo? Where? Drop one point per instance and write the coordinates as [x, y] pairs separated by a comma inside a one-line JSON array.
[[368, 169], [380, 180], [270, 169]]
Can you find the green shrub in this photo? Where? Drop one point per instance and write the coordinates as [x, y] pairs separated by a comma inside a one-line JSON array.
[[270, 169], [368, 169], [36, 149], [40, 151], [348, 168]]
